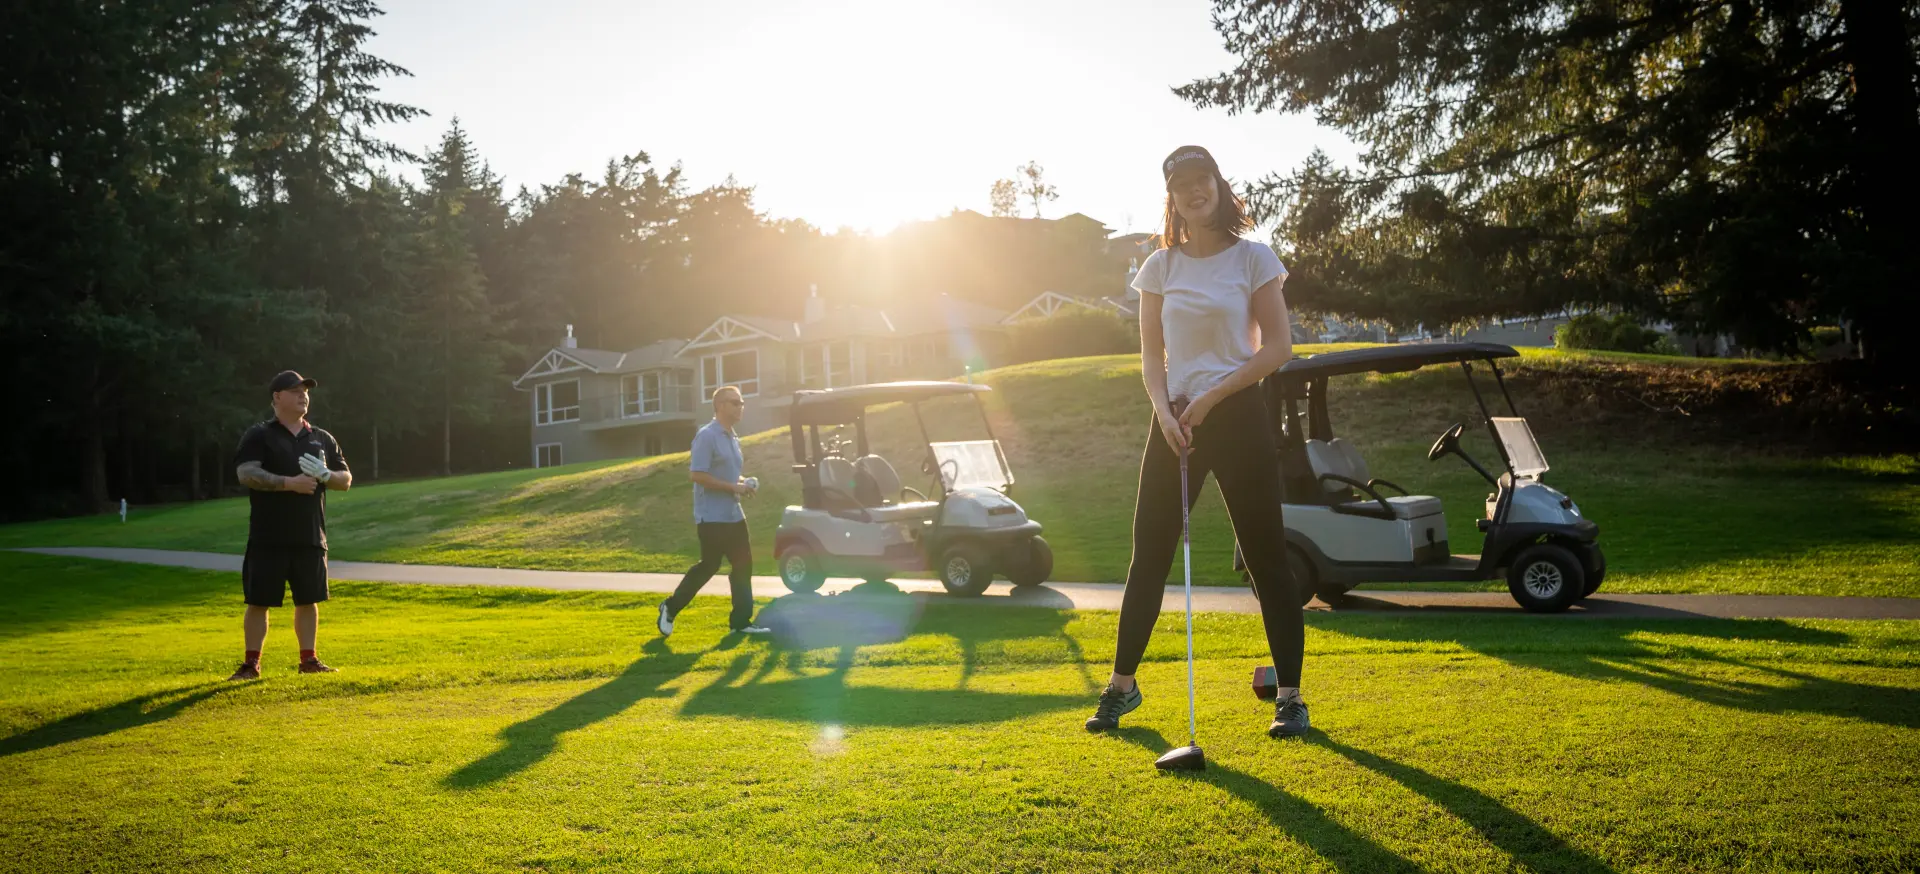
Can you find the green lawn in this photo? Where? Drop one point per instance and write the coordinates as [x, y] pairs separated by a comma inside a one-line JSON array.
[[1677, 515], [505, 730]]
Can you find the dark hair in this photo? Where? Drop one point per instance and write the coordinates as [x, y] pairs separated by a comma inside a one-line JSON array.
[[1230, 215]]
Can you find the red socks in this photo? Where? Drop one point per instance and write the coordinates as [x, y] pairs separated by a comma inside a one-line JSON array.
[[253, 657], [306, 655]]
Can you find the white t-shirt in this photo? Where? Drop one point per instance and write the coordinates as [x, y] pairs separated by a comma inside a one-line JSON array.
[[1206, 314]]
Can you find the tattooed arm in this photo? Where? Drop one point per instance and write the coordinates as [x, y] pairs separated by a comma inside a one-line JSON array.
[[255, 477]]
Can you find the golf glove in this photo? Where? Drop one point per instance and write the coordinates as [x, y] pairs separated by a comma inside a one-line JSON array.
[[312, 466]]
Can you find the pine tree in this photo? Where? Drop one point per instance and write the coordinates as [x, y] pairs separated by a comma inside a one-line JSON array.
[[1729, 164]]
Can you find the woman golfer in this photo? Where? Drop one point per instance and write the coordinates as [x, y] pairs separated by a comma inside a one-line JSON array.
[[1208, 300]]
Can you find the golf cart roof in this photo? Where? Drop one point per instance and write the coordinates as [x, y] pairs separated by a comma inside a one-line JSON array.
[[839, 405], [1392, 359]]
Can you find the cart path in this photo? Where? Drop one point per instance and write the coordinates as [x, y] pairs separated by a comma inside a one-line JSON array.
[[1079, 596]]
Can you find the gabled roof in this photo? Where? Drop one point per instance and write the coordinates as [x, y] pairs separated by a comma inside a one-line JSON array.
[[1047, 303], [559, 360], [1050, 302], [942, 314]]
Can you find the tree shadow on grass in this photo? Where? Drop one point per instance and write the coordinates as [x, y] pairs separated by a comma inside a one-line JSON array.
[[1528, 842], [527, 742], [871, 614], [1606, 649], [1341, 846], [132, 713]]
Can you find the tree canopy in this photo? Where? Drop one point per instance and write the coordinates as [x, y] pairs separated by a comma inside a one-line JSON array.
[[1738, 166]]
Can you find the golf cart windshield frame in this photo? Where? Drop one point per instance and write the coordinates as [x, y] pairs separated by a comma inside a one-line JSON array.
[[812, 409], [1306, 379]]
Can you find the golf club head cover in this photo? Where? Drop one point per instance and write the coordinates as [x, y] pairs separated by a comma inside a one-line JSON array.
[[1266, 683]]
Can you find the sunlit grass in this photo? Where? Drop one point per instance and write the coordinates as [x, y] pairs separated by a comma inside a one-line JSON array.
[[1675, 516], [514, 730]]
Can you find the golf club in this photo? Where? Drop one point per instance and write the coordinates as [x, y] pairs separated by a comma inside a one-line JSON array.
[[1189, 757]]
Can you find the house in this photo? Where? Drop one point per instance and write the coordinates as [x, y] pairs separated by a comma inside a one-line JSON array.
[[1126, 304], [592, 404], [771, 358]]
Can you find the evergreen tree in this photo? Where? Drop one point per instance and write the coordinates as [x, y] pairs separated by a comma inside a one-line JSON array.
[[1731, 164]]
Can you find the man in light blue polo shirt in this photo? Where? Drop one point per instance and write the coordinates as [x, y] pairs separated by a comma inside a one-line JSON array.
[[717, 489]]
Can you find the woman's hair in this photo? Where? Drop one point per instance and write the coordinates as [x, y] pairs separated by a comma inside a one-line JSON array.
[[1230, 214]]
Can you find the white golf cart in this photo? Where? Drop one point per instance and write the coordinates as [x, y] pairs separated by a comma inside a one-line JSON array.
[[856, 519], [1341, 531]]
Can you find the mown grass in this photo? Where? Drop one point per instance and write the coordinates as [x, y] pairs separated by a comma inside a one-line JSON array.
[[513, 730], [1680, 510]]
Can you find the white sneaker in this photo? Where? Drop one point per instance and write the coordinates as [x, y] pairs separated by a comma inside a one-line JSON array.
[[754, 629], [666, 620]]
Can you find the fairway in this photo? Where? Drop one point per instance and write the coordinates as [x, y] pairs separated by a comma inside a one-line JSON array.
[[1682, 507], [516, 730]]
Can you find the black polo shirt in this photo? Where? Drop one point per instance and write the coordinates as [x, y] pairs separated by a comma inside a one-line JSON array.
[[288, 518]]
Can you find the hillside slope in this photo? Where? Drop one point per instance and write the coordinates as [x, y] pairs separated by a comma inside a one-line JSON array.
[[1728, 489]]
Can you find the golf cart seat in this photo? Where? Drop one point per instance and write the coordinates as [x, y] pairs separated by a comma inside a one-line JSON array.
[[837, 484], [874, 480], [1341, 471]]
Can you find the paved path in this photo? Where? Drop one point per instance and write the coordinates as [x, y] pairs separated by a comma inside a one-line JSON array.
[[1083, 596]]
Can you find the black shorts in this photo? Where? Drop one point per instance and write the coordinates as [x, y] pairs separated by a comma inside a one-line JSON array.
[[267, 571]]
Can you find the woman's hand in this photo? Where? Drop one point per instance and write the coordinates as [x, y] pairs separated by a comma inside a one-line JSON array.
[[1172, 430], [1196, 411]]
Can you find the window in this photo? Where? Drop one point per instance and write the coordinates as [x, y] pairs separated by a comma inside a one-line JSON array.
[[733, 368], [828, 365], [649, 393], [640, 394], [630, 395], [556, 402], [548, 455]]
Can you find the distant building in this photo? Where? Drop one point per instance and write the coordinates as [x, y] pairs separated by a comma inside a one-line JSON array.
[[590, 405]]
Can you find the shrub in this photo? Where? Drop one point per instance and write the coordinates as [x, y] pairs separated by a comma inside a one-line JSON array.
[[1071, 333], [1621, 333]]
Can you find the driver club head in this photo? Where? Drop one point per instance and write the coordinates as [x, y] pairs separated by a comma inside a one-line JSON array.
[[1187, 758]]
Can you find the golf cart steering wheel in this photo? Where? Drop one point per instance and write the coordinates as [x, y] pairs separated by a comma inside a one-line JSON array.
[[1448, 442]]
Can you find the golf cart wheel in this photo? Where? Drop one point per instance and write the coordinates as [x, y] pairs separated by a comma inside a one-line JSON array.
[[964, 570], [801, 570], [1037, 566], [1596, 570], [1306, 583], [1546, 578]]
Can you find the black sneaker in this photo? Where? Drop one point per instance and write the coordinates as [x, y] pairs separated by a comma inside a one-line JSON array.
[[1289, 718], [1113, 705]]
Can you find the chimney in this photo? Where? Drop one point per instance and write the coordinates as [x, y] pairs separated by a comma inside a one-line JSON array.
[[569, 342], [816, 308]]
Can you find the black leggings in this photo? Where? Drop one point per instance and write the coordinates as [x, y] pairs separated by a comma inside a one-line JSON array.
[[719, 540], [1235, 443]]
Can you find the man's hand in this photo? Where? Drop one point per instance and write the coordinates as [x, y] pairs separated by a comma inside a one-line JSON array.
[[313, 466], [301, 484]]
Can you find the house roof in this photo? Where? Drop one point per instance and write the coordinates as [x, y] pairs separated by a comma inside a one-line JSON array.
[[942, 314], [560, 359]]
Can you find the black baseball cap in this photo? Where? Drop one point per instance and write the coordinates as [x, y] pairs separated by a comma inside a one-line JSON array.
[[1187, 156], [287, 379]]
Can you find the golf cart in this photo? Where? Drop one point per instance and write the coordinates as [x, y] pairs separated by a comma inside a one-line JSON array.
[[856, 519], [1342, 531]]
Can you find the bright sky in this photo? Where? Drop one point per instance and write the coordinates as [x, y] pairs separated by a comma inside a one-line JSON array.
[[856, 113]]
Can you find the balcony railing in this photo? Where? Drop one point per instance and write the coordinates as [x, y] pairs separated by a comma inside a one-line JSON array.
[[673, 400]]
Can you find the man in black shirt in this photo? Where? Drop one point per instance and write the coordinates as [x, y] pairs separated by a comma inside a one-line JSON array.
[[287, 465]]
